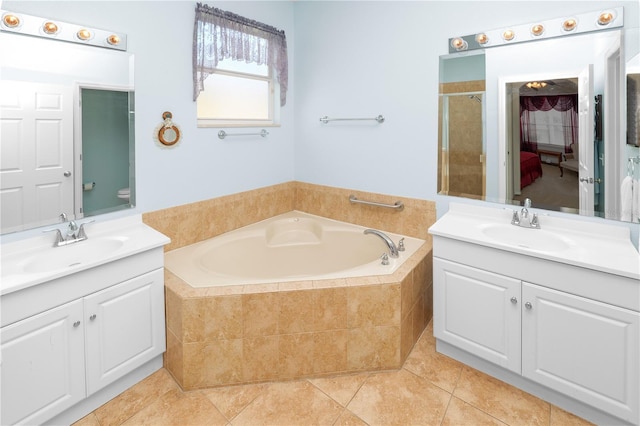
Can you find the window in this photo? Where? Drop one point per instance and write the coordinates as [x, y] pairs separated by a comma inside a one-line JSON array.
[[237, 93], [239, 69]]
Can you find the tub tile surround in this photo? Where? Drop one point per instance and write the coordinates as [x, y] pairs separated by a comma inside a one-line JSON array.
[[232, 335], [280, 331], [191, 223]]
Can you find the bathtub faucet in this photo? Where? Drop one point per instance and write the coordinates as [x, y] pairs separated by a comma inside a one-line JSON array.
[[393, 250]]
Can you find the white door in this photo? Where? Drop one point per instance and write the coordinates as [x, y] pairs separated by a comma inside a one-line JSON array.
[[36, 142], [124, 328], [42, 369], [477, 311], [586, 120], [582, 348]]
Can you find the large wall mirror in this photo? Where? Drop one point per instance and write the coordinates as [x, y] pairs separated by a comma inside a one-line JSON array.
[[67, 126], [553, 123]]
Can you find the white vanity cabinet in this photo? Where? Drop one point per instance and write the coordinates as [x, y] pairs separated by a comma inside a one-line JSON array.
[[583, 348], [563, 325], [42, 365], [124, 328], [477, 311], [79, 324], [54, 359]]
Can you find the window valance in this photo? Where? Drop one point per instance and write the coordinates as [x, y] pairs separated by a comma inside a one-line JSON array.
[[219, 35]]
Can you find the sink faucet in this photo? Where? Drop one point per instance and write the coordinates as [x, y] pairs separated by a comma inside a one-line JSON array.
[[74, 233], [393, 250], [523, 219]]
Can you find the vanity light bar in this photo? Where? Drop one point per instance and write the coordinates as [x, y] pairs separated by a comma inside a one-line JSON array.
[[20, 23], [570, 25]]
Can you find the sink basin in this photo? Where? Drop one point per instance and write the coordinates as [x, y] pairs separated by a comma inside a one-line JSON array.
[[63, 257], [534, 239]]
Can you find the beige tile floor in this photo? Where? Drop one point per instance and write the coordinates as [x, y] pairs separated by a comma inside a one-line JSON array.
[[431, 389]]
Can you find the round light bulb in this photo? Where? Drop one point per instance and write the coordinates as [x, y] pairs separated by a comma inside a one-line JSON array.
[[113, 40], [537, 30], [50, 27], [459, 44], [11, 21], [606, 18], [482, 38], [508, 35], [570, 24], [84, 34]]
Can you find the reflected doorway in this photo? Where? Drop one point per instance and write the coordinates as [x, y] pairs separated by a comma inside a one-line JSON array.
[[544, 143]]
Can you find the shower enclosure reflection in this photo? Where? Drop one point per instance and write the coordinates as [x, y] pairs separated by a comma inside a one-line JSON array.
[[461, 165]]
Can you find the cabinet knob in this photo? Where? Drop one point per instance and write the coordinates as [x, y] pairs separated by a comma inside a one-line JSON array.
[[514, 300], [76, 324], [92, 317], [528, 305]]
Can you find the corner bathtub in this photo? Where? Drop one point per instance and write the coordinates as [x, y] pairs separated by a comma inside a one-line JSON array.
[[293, 246], [291, 297]]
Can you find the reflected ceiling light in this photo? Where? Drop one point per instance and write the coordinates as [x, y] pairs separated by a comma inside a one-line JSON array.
[[50, 28], [84, 34], [537, 30], [113, 40], [606, 18], [11, 20], [570, 24], [482, 38], [508, 35], [536, 85], [459, 44]]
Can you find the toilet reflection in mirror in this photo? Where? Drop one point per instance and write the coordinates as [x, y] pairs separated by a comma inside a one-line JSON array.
[[106, 124]]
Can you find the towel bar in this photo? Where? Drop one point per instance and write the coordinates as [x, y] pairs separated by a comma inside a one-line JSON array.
[[398, 205]]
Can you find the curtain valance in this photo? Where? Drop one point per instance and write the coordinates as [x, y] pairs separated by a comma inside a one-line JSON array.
[[547, 103], [219, 35]]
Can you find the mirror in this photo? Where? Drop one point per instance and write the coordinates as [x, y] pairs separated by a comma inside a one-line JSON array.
[[168, 133], [67, 131], [461, 147], [591, 189]]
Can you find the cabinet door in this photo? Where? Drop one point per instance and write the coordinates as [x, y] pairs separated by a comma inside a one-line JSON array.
[[125, 328], [583, 348], [42, 365], [477, 311]]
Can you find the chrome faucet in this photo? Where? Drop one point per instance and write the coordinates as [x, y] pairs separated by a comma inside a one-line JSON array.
[[74, 233], [393, 250], [523, 219]]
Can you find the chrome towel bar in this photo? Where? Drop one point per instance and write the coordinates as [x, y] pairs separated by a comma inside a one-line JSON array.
[[325, 119], [398, 205], [222, 134]]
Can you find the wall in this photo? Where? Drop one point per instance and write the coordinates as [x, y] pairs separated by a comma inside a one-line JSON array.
[[382, 58], [160, 36], [346, 59]]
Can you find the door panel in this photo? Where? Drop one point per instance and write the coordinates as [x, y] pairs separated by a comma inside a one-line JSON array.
[[474, 311], [586, 114], [42, 370], [36, 134], [125, 328], [582, 348]]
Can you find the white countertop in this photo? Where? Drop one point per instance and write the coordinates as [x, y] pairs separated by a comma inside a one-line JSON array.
[[132, 235], [601, 247]]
